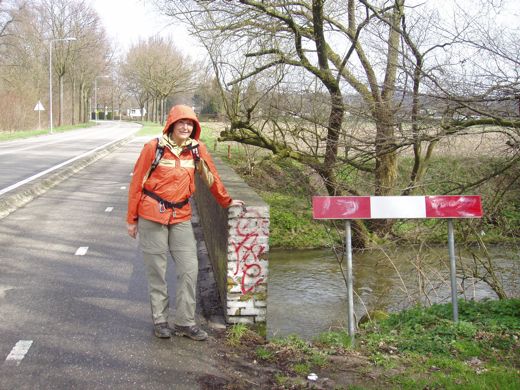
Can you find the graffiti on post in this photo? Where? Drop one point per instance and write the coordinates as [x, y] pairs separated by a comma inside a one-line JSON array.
[[249, 246]]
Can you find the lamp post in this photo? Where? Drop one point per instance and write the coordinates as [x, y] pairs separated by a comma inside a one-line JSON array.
[[50, 73], [95, 96]]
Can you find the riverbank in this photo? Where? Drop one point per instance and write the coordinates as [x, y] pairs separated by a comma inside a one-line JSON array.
[[419, 348]]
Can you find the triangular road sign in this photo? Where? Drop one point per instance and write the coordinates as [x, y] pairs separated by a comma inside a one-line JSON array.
[[39, 106]]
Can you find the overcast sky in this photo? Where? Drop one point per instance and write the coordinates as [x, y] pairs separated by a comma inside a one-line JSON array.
[[128, 20]]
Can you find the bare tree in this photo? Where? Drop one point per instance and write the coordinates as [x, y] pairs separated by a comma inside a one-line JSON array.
[[468, 82], [58, 16], [92, 56], [9, 9], [323, 39], [25, 57], [155, 68], [372, 79], [22, 70]]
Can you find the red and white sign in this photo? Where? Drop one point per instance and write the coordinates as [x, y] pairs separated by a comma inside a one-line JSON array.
[[389, 207]]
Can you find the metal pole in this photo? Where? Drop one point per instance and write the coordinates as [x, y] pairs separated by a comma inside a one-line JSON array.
[[95, 98], [50, 84], [350, 294], [453, 271], [50, 74]]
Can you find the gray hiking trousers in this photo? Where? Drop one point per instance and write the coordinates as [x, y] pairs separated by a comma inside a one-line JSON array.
[[155, 240]]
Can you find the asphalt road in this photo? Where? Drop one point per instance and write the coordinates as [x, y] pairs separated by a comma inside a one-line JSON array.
[[21, 160], [74, 310]]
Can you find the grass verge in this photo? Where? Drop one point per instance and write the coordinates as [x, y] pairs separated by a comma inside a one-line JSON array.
[[149, 129], [12, 135], [419, 348]]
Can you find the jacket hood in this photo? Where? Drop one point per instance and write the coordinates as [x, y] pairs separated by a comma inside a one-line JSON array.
[[183, 112]]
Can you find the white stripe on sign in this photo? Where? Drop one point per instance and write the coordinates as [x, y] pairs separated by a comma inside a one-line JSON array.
[[82, 250], [109, 209], [397, 207], [19, 351]]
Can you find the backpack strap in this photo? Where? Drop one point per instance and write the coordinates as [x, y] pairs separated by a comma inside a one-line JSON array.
[[195, 153], [159, 152], [164, 204]]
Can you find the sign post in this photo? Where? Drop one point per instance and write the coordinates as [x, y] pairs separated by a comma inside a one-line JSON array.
[[350, 281], [39, 108], [453, 271], [389, 207]]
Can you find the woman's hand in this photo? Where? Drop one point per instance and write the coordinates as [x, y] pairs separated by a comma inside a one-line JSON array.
[[132, 229], [236, 202]]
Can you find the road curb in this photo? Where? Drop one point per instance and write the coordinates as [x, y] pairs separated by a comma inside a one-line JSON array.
[[27, 192]]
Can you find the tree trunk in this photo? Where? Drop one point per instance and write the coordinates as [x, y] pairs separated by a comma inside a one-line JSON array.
[[73, 102], [385, 169], [87, 111], [385, 143], [80, 103], [60, 114], [331, 149], [163, 110], [112, 103], [386, 157]]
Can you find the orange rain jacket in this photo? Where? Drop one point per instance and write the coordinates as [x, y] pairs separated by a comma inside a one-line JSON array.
[[173, 179]]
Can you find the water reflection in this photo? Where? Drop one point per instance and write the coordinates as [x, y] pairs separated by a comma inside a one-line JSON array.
[[307, 293]]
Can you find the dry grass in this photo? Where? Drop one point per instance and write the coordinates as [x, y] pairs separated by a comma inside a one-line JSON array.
[[482, 141]]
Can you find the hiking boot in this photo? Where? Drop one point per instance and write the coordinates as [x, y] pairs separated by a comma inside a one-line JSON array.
[[193, 332], [162, 330]]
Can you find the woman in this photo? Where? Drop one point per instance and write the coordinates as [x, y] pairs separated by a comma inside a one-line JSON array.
[[159, 209]]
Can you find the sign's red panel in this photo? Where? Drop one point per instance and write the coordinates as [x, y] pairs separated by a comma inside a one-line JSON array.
[[453, 206], [341, 207]]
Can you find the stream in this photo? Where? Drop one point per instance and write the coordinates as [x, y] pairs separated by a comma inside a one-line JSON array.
[[307, 293]]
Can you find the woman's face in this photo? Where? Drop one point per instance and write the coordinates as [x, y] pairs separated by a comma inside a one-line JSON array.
[[182, 130]]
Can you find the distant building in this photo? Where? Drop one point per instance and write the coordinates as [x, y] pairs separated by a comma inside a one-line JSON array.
[[135, 112]]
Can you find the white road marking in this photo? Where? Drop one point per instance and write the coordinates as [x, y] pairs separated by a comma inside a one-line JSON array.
[[109, 209], [19, 351], [3, 289], [82, 250], [123, 188]]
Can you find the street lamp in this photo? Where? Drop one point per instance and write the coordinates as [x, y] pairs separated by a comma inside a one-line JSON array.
[[95, 96], [50, 73]]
